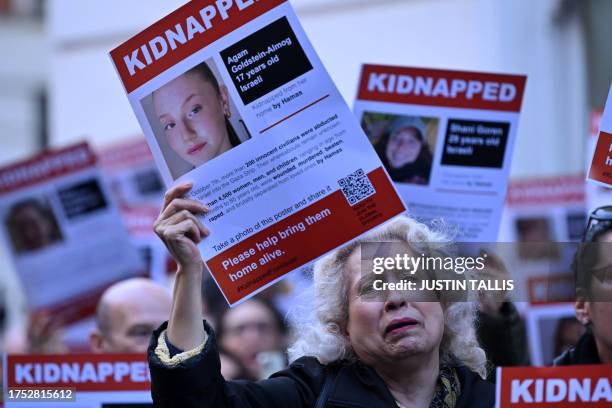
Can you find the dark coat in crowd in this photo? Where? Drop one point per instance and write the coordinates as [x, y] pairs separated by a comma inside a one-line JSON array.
[[503, 338], [197, 383], [585, 352]]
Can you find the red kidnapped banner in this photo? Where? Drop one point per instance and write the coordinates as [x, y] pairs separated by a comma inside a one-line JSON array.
[[547, 190], [434, 87], [84, 372], [601, 167], [180, 34], [125, 155], [45, 166], [558, 387]]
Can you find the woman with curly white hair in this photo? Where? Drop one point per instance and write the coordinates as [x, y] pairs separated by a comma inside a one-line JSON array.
[[364, 351]]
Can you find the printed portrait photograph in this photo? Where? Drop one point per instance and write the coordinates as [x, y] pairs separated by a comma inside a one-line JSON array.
[[194, 119], [405, 144], [31, 225], [536, 238], [554, 331]]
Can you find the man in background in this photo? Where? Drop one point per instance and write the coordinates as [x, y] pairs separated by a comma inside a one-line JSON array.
[[127, 314]]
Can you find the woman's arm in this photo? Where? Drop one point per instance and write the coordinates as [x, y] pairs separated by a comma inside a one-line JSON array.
[[181, 231], [193, 378]]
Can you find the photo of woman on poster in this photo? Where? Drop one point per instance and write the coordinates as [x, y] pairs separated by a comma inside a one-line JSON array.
[[194, 112], [32, 225], [403, 147]]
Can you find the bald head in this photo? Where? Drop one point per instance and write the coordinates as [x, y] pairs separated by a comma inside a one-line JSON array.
[[127, 314]]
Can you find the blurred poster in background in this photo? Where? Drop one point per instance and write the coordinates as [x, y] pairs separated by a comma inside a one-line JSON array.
[[63, 231], [544, 215], [137, 189]]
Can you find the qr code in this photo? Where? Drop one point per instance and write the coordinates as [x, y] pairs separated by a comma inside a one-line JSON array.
[[356, 187]]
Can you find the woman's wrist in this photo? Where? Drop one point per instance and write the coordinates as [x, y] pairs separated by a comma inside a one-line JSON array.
[[194, 269], [185, 328]]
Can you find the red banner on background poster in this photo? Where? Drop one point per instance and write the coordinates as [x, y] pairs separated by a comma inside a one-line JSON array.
[[558, 387], [551, 289], [45, 166], [83, 372], [595, 121], [560, 190], [601, 165], [436, 87], [601, 168], [125, 155]]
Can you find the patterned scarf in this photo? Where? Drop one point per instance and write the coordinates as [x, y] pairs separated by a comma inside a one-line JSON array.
[[448, 389]]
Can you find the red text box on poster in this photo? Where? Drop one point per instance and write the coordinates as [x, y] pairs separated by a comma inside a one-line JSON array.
[[558, 387]]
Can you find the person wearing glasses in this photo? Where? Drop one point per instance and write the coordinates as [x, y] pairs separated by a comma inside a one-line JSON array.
[[593, 272], [249, 332]]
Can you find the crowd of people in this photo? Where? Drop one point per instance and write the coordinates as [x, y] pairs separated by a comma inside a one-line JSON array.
[[399, 350], [378, 352]]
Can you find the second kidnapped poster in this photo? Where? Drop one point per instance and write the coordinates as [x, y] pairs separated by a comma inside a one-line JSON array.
[[446, 139]]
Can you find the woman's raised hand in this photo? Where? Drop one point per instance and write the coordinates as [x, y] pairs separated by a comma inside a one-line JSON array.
[[181, 231], [179, 228]]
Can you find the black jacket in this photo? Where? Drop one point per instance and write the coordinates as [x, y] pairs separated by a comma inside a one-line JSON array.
[[198, 383], [585, 352], [503, 338]]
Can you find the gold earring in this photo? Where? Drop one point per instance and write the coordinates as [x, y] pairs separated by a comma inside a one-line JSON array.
[[228, 113]]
